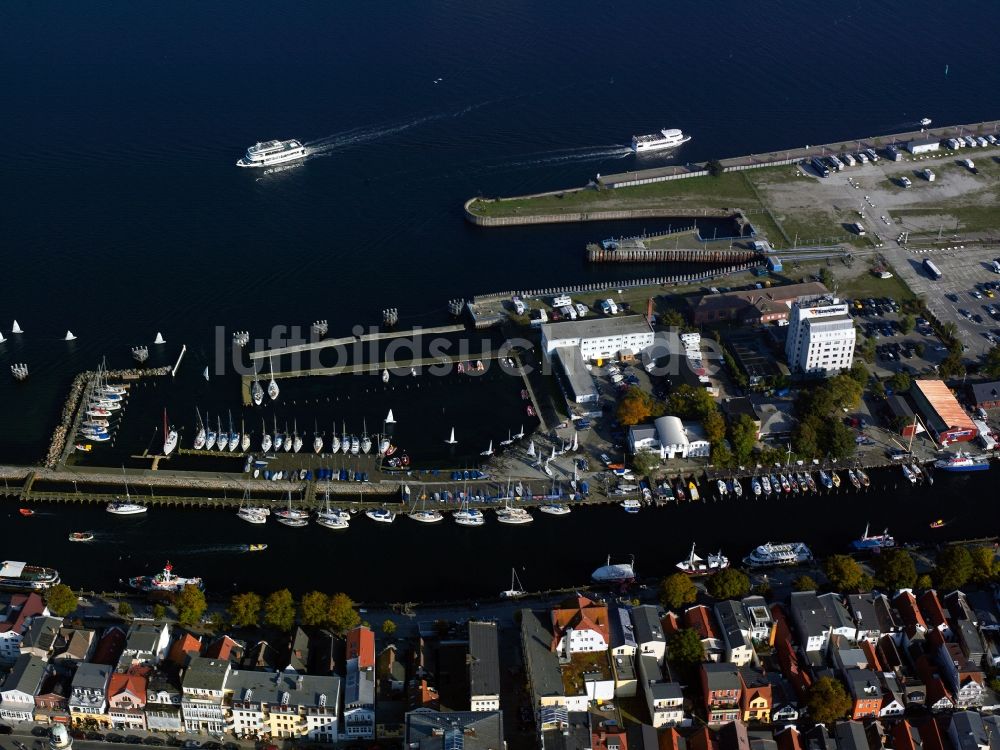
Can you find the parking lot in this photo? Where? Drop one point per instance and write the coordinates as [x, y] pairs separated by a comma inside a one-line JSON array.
[[918, 351]]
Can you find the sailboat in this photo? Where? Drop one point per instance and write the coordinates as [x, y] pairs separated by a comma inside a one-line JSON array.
[[423, 515], [126, 508], [383, 445], [272, 386], [288, 439], [317, 440], [256, 390], [519, 434], [16, 328], [389, 419], [205, 374], [278, 437], [210, 436], [69, 336], [245, 441], [381, 515], [200, 437], [169, 436], [292, 517], [488, 451], [508, 441], [385, 376], [345, 441], [451, 440], [513, 515], [531, 448], [515, 591], [355, 445], [234, 437], [576, 442], [334, 440], [222, 441], [332, 519], [466, 516], [296, 440], [265, 440], [366, 442], [248, 514]]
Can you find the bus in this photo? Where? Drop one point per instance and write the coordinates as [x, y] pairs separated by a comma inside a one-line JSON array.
[[931, 269]]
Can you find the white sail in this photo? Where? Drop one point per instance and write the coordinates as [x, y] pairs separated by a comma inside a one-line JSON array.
[[531, 448], [451, 439], [69, 336], [576, 442], [389, 419], [205, 374], [16, 328], [159, 338]]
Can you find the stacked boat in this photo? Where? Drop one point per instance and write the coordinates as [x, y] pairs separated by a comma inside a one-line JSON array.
[[101, 401]]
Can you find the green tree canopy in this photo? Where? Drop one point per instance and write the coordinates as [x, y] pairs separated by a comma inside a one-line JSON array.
[[805, 583], [684, 648], [728, 584], [827, 701], [314, 607], [279, 610], [895, 569], [742, 438], [645, 461], [954, 568], [341, 615], [991, 362], [388, 627], [60, 600], [191, 605], [907, 323], [900, 382], [244, 610], [676, 590], [844, 573], [124, 609], [984, 564]]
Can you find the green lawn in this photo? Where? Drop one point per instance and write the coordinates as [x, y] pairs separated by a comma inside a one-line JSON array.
[[868, 285]]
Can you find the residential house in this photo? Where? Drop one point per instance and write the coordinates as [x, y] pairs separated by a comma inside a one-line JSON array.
[[202, 689], [484, 666], [390, 671], [145, 645], [700, 619], [359, 685], [559, 729], [931, 735], [841, 622], [968, 732], [541, 665], [21, 610], [127, 700], [225, 648], [850, 735], [893, 696], [866, 693], [163, 702], [298, 651], [905, 736], [607, 734], [938, 697], [579, 625], [722, 688], [648, 632], [963, 678], [759, 617], [110, 646], [933, 612], [811, 621], [88, 699], [872, 616], [17, 696], [468, 730], [664, 698], [184, 647], [74, 646], [789, 738], [788, 659], [622, 633], [735, 628], [959, 608], [52, 700], [41, 637], [756, 696], [626, 674], [910, 618], [284, 705]]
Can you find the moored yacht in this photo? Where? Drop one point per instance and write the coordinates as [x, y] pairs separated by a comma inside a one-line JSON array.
[[126, 509], [618, 573], [381, 515], [514, 515], [555, 509], [266, 153]]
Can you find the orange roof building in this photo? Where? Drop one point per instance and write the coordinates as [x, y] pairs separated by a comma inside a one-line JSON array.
[[186, 645], [361, 646], [578, 625], [943, 415]]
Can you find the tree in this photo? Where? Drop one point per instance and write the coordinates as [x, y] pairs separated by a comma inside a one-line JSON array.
[[688, 402], [685, 648], [878, 388], [844, 573], [900, 382], [924, 581], [728, 584], [827, 701], [991, 362], [715, 168], [315, 608], [952, 366], [839, 440], [895, 569], [984, 566], [804, 583], [341, 615], [244, 610], [676, 590], [124, 609], [637, 405], [60, 600], [191, 605], [805, 438], [714, 426], [279, 610], [645, 461], [827, 278], [906, 324], [954, 568], [389, 627], [742, 438], [159, 612]]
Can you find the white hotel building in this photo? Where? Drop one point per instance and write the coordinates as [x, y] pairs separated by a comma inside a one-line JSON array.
[[821, 336], [599, 338]]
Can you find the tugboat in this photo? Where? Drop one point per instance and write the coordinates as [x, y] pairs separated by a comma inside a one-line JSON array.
[[165, 580], [81, 536], [875, 542], [694, 565]]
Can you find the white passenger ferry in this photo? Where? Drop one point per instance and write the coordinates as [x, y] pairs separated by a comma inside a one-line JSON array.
[[769, 554], [272, 152], [642, 144]]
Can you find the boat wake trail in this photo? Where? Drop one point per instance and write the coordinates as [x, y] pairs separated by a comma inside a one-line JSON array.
[[221, 549], [568, 155]]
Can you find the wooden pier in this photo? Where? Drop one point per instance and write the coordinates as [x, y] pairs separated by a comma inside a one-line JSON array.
[[362, 339], [640, 253]]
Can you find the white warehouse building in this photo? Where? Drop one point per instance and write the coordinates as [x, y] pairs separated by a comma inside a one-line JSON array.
[[599, 338], [670, 438], [821, 336]]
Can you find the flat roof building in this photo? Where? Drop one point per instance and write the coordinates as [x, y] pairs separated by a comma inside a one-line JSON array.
[[579, 381], [484, 667], [941, 412], [923, 146], [821, 336], [599, 338], [751, 307]]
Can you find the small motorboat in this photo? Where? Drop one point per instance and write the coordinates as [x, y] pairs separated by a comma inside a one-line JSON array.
[[256, 547], [81, 536], [937, 524], [26, 512]]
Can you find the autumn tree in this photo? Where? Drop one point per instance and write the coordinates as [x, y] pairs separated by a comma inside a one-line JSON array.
[[676, 590], [191, 605], [984, 564], [314, 606], [244, 610], [637, 405], [388, 627], [279, 610], [742, 438], [954, 568], [895, 569], [341, 615], [729, 583], [60, 600], [844, 573], [124, 609], [827, 701], [804, 583], [685, 648]]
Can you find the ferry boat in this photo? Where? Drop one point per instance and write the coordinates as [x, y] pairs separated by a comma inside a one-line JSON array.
[[266, 153], [165, 580], [81, 536], [19, 576], [126, 509], [694, 565], [618, 573], [661, 141], [767, 555], [874, 542], [963, 462]]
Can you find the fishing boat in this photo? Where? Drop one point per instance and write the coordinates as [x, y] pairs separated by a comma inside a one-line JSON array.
[[755, 486], [854, 479], [693, 491], [201, 436], [272, 386], [381, 515], [939, 523], [222, 439], [767, 555], [81, 536], [615, 573], [516, 590], [19, 576], [26, 512], [169, 436], [863, 478], [874, 542], [825, 480], [164, 581], [963, 461], [555, 509], [835, 478], [694, 565]]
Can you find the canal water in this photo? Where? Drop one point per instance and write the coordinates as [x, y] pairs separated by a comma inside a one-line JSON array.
[[410, 561]]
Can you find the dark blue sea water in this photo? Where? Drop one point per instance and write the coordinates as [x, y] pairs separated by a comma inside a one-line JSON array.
[[122, 213]]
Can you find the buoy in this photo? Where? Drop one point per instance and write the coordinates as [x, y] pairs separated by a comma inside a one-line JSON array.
[[16, 328], [159, 338], [69, 336], [389, 419]]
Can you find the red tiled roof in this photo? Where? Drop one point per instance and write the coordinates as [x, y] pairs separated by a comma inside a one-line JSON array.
[[869, 650], [702, 739], [580, 613], [906, 604], [110, 647], [700, 619], [31, 605], [186, 644], [943, 401], [932, 610], [670, 623], [361, 646], [788, 739], [669, 739], [902, 736], [930, 733], [134, 683], [221, 648]]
